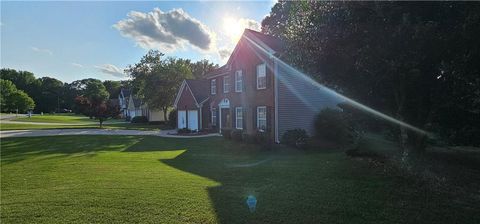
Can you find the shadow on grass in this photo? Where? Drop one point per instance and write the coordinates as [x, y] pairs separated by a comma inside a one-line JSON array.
[[18, 149]]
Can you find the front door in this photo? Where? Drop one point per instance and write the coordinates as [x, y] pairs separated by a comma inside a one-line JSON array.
[[226, 118], [182, 119], [193, 120]]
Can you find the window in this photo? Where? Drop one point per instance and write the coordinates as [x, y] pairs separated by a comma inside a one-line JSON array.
[[238, 81], [261, 76], [213, 86], [214, 116], [262, 118], [238, 117], [226, 84]]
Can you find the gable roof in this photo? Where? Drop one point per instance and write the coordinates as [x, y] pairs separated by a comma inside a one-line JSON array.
[[197, 87], [125, 92], [270, 43]]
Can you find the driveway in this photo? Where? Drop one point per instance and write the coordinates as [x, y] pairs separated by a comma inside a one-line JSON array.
[[57, 132]]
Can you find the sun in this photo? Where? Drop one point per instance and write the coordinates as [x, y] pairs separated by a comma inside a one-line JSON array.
[[233, 28]]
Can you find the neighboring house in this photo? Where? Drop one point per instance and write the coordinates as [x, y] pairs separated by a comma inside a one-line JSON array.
[[134, 107], [131, 106], [123, 99], [254, 91]]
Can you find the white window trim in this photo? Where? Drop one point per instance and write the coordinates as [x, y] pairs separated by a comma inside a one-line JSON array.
[[214, 116], [236, 117], [239, 79], [258, 117], [225, 84], [264, 75], [213, 86]]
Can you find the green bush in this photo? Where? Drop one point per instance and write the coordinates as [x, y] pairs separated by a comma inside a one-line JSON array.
[[172, 119], [248, 138], [140, 119], [332, 125], [296, 138], [184, 131], [227, 133], [236, 135], [262, 138]]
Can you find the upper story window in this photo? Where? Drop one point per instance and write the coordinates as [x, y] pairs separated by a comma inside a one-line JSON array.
[[238, 118], [213, 86], [226, 84], [238, 81], [262, 118], [261, 76]]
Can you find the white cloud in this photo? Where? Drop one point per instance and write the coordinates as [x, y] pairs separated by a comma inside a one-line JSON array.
[[111, 70], [76, 65], [224, 53], [166, 31], [40, 50]]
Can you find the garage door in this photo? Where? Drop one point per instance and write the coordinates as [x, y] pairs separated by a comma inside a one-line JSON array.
[[193, 120], [182, 119]]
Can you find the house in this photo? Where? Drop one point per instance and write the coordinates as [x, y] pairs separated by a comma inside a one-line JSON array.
[[131, 106], [254, 91], [123, 99]]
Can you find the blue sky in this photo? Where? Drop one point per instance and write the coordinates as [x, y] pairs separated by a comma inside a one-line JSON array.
[[76, 40]]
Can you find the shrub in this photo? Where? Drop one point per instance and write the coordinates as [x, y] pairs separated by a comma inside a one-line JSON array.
[[184, 131], [227, 133], [332, 125], [296, 138], [140, 119], [248, 138], [236, 135], [172, 119], [262, 138]]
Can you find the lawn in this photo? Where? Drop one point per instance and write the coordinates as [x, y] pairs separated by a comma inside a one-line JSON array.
[[70, 121], [129, 179], [67, 118]]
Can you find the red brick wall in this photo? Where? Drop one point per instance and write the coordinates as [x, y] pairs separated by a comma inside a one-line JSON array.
[[247, 60], [186, 101]]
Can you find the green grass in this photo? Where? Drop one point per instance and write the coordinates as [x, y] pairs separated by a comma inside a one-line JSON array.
[[72, 119], [126, 126], [129, 179]]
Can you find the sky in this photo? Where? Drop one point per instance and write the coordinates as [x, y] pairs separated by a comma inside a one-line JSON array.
[[76, 40]]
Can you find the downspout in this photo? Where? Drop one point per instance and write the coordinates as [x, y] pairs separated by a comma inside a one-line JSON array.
[[275, 87]]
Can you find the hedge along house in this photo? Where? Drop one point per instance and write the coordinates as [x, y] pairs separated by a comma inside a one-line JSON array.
[[191, 106], [255, 91]]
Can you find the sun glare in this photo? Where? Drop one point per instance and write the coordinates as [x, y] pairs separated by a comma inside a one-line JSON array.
[[233, 28]]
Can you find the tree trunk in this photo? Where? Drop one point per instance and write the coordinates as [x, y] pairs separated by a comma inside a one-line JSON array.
[[165, 110], [101, 123]]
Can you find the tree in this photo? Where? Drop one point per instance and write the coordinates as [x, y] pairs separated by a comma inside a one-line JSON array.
[[50, 96], [416, 62], [156, 80], [100, 110], [7, 88], [12, 99], [200, 68], [21, 102], [113, 87]]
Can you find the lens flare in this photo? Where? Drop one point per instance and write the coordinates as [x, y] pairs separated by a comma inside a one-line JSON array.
[[267, 54]]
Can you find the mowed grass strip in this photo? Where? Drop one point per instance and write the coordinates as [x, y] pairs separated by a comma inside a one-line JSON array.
[[125, 179], [70, 118]]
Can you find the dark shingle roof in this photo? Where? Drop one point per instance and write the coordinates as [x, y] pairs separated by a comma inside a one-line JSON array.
[[271, 41], [199, 89]]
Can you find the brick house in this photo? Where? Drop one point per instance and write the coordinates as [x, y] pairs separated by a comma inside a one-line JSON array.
[[254, 91]]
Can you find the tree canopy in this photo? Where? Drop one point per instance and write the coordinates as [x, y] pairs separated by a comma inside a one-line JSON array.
[[416, 62]]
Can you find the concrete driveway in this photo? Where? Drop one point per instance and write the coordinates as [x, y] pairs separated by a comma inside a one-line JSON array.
[[57, 132]]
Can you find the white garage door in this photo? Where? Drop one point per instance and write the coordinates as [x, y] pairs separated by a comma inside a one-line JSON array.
[[182, 119], [193, 120]]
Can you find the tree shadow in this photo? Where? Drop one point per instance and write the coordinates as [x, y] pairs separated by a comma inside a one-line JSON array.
[[18, 149]]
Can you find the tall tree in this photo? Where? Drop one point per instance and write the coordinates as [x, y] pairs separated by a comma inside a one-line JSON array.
[[202, 67], [412, 61], [13, 99], [113, 87]]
